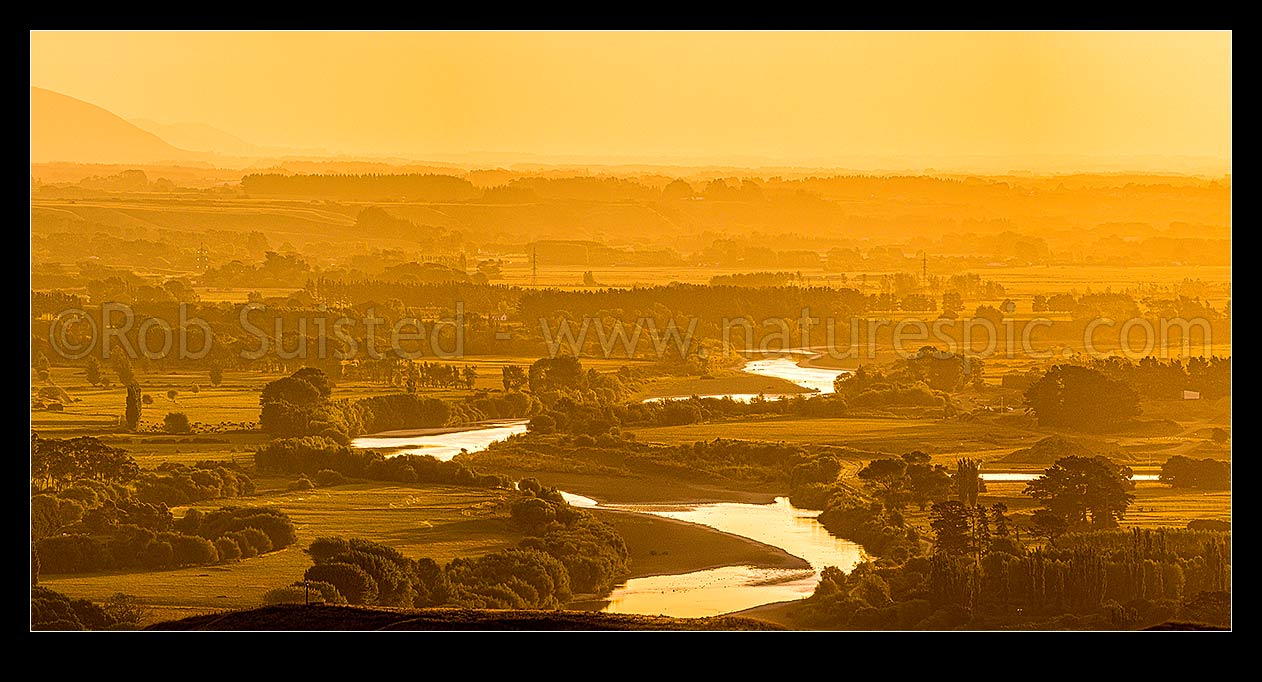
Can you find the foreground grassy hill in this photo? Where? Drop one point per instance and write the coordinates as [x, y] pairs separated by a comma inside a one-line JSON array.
[[323, 617]]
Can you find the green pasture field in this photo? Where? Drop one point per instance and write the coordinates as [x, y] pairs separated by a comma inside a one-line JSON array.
[[441, 522], [233, 403]]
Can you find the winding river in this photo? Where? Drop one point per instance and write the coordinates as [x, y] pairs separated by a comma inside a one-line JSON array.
[[818, 380], [700, 593], [734, 588], [713, 591], [443, 446]]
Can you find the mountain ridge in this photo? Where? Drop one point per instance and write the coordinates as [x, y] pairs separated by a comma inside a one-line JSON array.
[[64, 128]]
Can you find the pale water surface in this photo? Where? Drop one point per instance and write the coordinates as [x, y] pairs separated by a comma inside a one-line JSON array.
[[999, 476], [443, 446], [817, 378], [733, 588]]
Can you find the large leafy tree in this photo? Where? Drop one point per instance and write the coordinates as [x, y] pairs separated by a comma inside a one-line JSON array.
[[290, 404], [887, 478], [926, 482], [317, 378], [961, 530], [56, 463], [560, 373], [1082, 489], [952, 530], [291, 390], [1078, 397]]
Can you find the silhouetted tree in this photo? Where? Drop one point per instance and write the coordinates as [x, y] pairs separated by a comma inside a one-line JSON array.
[[176, 422], [926, 482], [1075, 488], [887, 477], [513, 377], [1045, 523], [93, 371], [952, 531], [968, 480], [132, 415], [122, 367]]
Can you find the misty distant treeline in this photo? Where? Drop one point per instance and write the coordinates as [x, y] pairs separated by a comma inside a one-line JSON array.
[[813, 223], [756, 279], [412, 187], [692, 300], [552, 252]]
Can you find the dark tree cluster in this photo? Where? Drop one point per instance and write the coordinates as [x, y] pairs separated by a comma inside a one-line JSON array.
[[566, 551], [175, 484], [364, 572], [115, 538], [720, 460], [1205, 474], [52, 610], [92, 509], [920, 381], [1081, 491], [1081, 398], [300, 405], [56, 464], [883, 532], [401, 411], [1098, 580], [312, 455], [909, 478], [697, 410], [1157, 379], [593, 553]]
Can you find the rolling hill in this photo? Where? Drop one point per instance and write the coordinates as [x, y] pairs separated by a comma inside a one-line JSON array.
[[67, 129], [200, 137]]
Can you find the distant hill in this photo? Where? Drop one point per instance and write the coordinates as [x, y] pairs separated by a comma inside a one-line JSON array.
[[323, 617], [67, 129], [1045, 452], [201, 137]]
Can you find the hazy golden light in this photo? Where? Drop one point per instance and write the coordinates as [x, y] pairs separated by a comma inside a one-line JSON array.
[[800, 97]]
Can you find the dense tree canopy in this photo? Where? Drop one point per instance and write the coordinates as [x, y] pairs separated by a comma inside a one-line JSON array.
[[1082, 489], [1078, 397], [56, 463]]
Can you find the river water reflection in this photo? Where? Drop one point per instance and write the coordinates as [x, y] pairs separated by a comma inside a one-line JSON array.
[[734, 588], [442, 446]]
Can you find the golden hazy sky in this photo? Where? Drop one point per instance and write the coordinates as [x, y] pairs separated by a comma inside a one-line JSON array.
[[785, 96]]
